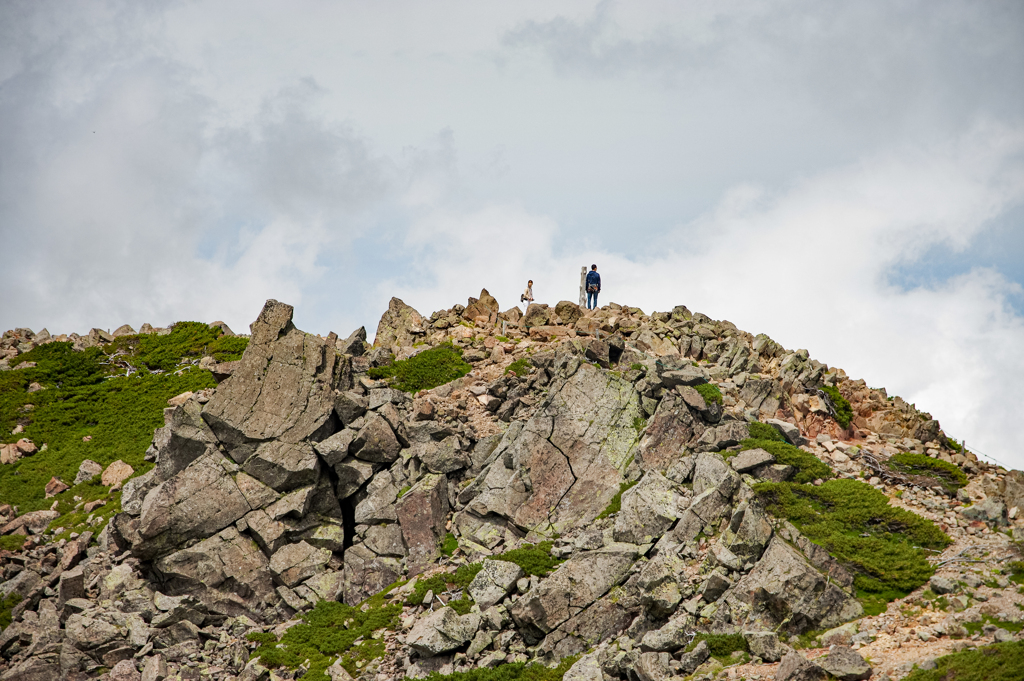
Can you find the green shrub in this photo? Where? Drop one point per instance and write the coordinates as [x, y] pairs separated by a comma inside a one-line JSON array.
[[520, 368], [11, 542], [639, 423], [6, 605], [977, 627], [446, 581], [721, 646], [948, 474], [809, 467], [884, 547], [1017, 572], [164, 353], [534, 559], [763, 431], [844, 412], [327, 631], [228, 348], [999, 662], [449, 545], [615, 505], [710, 393], [428, 369], [81, 398], [516, 671]]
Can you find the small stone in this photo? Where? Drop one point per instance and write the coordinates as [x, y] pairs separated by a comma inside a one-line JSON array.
[[55, 487], [116, 473]]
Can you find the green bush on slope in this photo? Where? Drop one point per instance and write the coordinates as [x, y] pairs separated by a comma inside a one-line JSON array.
[[710, 393], [763, 431], [809, 467], [426, 370], [80, 398], [948, 474], [516, 671], [844, 412], [884, 547], [999, 662]]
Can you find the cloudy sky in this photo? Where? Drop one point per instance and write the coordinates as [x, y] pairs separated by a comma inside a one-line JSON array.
[[846, 177]]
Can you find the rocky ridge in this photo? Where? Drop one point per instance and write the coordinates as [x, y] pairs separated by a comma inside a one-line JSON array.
[[301, 480]]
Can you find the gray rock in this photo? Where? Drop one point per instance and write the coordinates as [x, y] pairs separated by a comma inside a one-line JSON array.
[[352, 474], [765, 645], [941, 585], [494, 582], [750, 459], [648, 510], [564, 466], [284, 466], [355, 344], [669, 434], [87, 470], [846, 664], [572, 587], [440, 632], [783, 587], [422, 514], [134, 492], [689, 662], [334, 449], [366, 573], [385, 540], [187, 438], [349, 406], [303, 370], [711, 472], [196, 503], [688, 376], [377, 503], [990, 510], [715, 586], [399, 326], [790, 432], [653, 667], [446, 456], [705, 509], [226, 561], [587, 668], [794, 667], [22, 584], [748, 533], [294, 563], [376, 441]]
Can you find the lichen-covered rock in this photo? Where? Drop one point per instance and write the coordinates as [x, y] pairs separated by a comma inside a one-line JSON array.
[[186, 438], [565, 465], [669, 433], [495, 580], [846, 664], [440, 632], [366, 573], [399, 327], [648, 510], [422, 514], [376, 441], [284, 466], [293, 563], [795, 667]]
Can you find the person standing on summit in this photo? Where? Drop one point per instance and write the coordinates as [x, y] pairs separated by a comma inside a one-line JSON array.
[[593, 287]]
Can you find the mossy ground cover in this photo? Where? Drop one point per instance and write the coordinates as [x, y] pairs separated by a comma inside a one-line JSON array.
[[428, 369], [83, 396], [763, 431], [977, 627], [948, 474], [520, 368], [844, 412], [447, 581], [999, 662], [809, 467], [615, 505], [187, 340], [721, 646], [884, 547], [328, 631], [6, 605], [710, 393], [534, 559], [517, 671]]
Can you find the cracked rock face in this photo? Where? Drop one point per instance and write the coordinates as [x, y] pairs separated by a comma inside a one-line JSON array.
[[565, 465]]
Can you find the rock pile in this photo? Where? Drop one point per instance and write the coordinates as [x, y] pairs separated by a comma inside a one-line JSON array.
[[611, 439]]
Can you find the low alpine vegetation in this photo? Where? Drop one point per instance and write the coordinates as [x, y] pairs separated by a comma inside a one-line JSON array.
[[520, 368], [999, 662], [809, 467], [844, 412], [710, 393], [763, 431], [884, 547], [615, 505], [721, 646], [949, 475], [516, 671], [428, 369], [534, 559]]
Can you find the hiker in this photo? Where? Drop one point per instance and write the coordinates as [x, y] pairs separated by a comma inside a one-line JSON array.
[[527, 296], [593, 287]]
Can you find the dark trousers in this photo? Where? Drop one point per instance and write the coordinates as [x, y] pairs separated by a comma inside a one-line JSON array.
[[592, 299]]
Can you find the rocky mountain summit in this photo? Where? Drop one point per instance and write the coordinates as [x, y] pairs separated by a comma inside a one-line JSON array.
[[559, 493]]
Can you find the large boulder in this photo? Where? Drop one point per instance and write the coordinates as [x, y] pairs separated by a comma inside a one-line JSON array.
[[485, 306], [422, 514], [198, 502], [669, 433], [294, 563], [495, 580], [846, 664], [571, 588], [227, 562], [648, 510], [284, 466], [795, 667], [565, 465], [376, 441], [399, 326], [366, 573], [186, 437], [441, 631], [784, 591], [283, 388]]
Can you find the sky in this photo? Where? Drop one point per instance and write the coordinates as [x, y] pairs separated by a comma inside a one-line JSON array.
[[845, 177]]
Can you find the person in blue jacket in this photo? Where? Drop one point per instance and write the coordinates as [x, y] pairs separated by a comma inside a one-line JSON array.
[[593, 287]]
